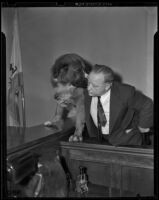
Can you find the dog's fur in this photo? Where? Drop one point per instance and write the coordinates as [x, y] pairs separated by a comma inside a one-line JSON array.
[[68, 78]]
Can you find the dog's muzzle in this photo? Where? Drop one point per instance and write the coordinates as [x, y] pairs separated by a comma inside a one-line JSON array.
[[63, 99]]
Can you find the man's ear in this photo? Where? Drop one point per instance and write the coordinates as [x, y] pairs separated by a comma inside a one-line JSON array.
[[108, 86]]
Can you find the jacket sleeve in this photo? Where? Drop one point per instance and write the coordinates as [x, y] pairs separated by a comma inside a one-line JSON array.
[[143, 105]]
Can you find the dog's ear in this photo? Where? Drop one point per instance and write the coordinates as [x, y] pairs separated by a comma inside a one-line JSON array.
[[76, 76], [59, 69], [62, 77], [80, 83]]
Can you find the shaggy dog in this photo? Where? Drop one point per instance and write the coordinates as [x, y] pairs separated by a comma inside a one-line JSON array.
[[68, 78]]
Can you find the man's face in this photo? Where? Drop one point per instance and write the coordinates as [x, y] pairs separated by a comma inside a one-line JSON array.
[[96, 84]]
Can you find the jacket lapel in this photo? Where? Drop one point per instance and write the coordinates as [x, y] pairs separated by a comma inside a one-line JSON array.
[[115, 106], [87, 101], [92, 129]]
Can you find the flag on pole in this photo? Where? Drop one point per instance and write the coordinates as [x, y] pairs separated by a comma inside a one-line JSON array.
[[16, 107]]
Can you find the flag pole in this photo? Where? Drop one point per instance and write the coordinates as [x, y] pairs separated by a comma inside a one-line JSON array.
[[23, 104], [22, 86]]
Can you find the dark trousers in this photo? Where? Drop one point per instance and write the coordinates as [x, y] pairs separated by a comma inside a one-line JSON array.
[[105, 138]]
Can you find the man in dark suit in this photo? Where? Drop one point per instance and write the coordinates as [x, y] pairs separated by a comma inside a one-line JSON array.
[[128, 113]]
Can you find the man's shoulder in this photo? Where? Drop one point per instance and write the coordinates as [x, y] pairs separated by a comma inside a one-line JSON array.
[[123, 86]]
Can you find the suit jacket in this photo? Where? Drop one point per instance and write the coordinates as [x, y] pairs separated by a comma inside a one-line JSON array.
[[128, 110]]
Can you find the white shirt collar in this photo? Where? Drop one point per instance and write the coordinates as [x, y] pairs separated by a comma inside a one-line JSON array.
[[105, 96]]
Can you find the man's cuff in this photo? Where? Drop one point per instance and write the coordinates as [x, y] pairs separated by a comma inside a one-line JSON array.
[[143, 130]]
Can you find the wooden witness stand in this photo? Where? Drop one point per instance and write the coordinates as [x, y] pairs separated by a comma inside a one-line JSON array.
[[119, 171], [112, 171]]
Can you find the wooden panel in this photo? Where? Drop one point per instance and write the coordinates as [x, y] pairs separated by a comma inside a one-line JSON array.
[[126, 171], [137, 180], [97, 173], [106, 154], [116, 176]]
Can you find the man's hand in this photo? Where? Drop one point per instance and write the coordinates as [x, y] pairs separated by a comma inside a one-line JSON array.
[[143, 130]]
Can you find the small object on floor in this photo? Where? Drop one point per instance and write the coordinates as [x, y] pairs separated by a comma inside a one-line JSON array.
[[82, 181]]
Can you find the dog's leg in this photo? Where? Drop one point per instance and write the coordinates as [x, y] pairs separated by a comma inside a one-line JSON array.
[[80, 121], [57, 122], [58, 117], [58, 113]]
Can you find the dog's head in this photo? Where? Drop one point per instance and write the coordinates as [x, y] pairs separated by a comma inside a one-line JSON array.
[[69, 72], [72, 69]]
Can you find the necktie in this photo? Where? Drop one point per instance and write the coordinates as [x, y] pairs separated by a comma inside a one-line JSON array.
[[101, 118]]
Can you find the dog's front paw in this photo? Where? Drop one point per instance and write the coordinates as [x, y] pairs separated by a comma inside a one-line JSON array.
[[51, 125], [75, 138], [55, 125], [47, 123]]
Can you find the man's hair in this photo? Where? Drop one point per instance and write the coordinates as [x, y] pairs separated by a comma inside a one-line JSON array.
[[107, 71]]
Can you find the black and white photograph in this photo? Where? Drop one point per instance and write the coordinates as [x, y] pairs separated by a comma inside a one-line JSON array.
[[78, 94]]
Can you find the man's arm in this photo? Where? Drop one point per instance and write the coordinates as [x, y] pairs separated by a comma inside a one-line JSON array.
[[144, 106]]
